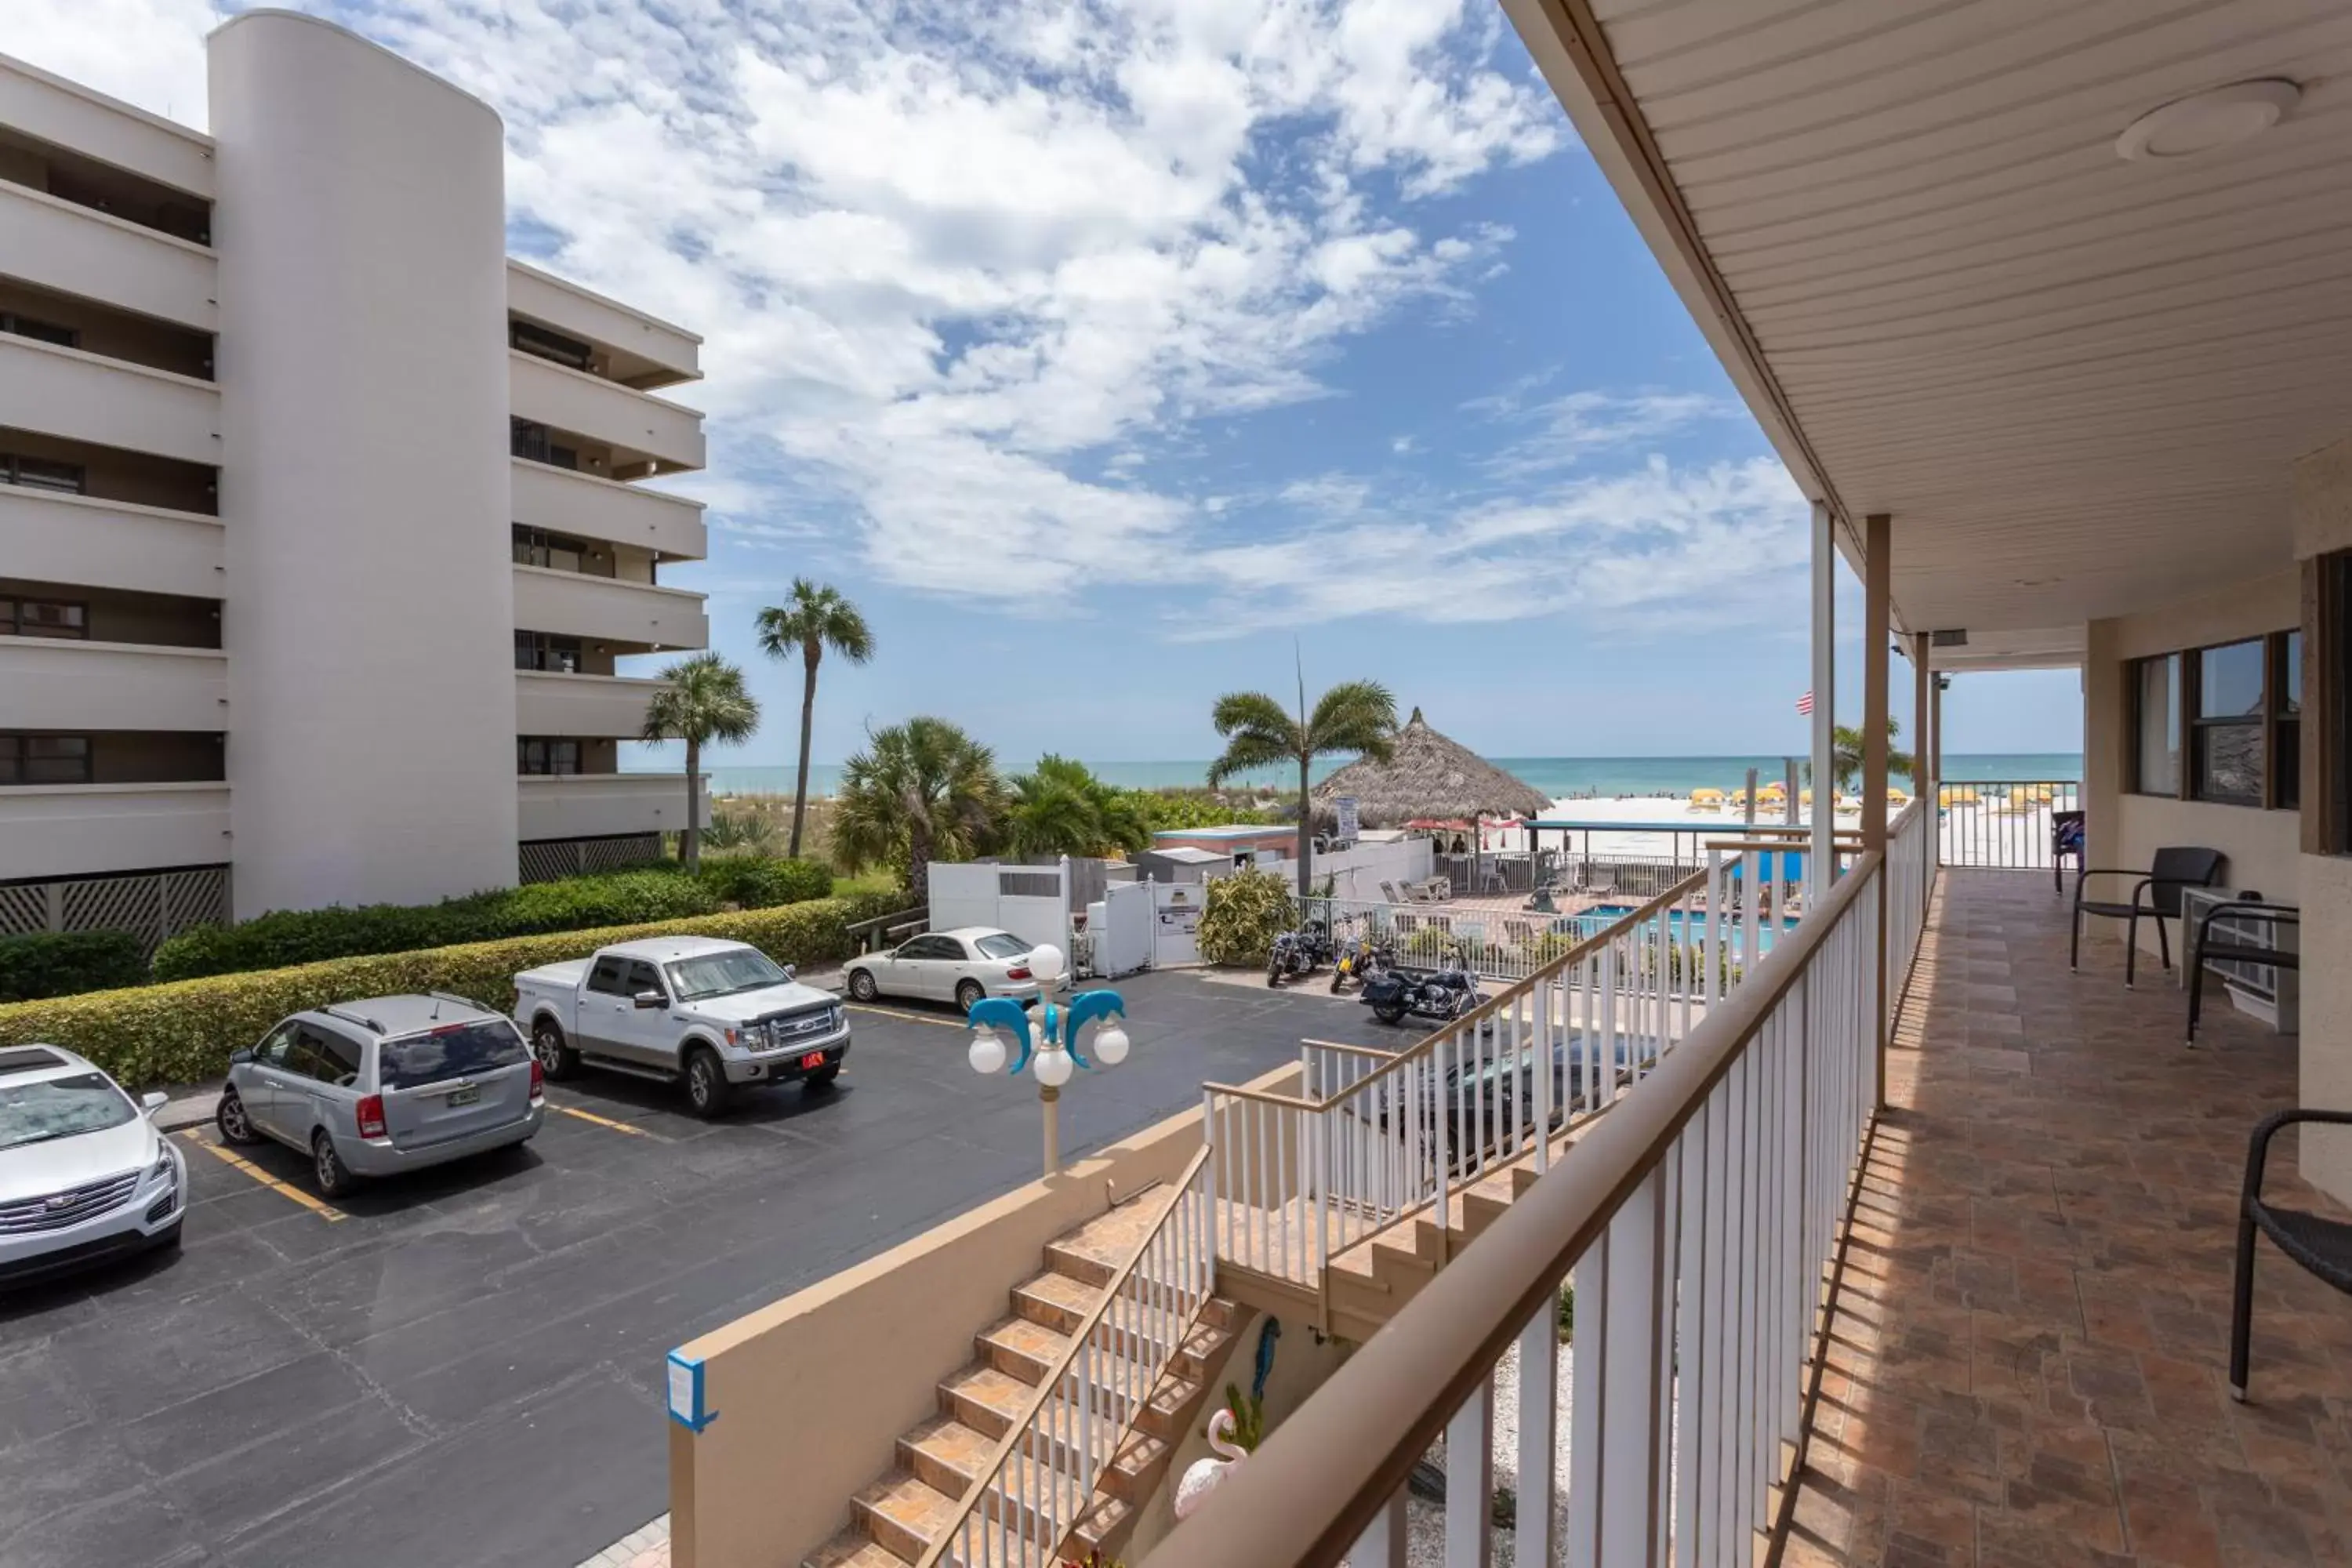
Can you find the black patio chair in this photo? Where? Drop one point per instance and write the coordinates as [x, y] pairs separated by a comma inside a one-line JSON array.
[[2065, 839], [2234, 949], [2155, 896], [2324, 1246]]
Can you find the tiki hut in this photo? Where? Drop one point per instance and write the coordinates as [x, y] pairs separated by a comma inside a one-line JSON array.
[[1429, 776]]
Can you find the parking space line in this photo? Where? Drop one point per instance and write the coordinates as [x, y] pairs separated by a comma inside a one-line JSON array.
[[602, 1120], [327, 1212], [909, 1018]]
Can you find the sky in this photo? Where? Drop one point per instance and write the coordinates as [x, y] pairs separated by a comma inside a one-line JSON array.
[[1115, 356]]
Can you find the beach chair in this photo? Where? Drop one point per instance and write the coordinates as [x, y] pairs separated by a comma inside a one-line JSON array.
[[2155, 895], [1389, 892]]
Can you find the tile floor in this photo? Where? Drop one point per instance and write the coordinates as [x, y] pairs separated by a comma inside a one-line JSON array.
[[2029, 1360]]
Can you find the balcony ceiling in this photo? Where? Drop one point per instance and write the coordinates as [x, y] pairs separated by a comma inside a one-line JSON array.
[[2076, 382]]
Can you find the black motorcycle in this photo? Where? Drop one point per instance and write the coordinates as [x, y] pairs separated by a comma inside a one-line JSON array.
[[1360, 959], [1447, 995], [1300, 951]]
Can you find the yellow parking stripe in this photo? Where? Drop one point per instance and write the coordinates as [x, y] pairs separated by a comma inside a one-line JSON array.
[[327, 1212], [909, 1018], [601, 1120]]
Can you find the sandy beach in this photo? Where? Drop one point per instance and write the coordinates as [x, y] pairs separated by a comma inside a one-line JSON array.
[[1980, 825]]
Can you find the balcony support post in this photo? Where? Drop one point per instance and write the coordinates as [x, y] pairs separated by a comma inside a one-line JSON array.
[[1820, 865], [1877, 635], [1925, 784]]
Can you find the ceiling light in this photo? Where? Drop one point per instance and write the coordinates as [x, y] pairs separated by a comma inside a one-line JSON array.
[[2204, 120]]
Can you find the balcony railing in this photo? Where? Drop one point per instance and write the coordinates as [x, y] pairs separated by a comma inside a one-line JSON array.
[[47, 537], [603, 805], [59, 683], [2003, 823], [74, 830], [88, 397], [1686, 1235], [75, 249]]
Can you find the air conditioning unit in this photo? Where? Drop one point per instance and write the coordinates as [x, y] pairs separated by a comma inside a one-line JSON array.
[[1954, 636]]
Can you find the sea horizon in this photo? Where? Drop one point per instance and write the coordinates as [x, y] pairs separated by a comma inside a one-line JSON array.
[[1560, 778]]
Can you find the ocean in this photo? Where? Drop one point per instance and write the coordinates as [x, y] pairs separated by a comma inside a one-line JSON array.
[[1559, 777]]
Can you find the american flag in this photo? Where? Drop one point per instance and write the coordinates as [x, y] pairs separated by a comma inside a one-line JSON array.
[[1805, 704]]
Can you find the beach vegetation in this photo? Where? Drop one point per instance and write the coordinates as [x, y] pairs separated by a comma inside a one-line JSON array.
[[1845, 753], [705, 701], [918, 792], [1060, 807], [813, 619], [1242, 916], [1355, 716]]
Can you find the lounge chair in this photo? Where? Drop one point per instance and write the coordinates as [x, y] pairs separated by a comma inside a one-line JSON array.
[[2235, 949], [1389, 892], [2155, 896], [2323, 1247]]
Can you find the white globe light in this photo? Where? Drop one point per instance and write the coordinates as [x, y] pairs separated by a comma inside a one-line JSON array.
[[1046, 962], [1110, 1044], [987, 1054], [1054, 1067]]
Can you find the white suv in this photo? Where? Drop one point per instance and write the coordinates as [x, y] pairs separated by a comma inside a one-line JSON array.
[[84, 1174]]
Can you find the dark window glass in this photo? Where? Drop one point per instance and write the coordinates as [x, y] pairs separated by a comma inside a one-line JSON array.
[[533, 338], [542, 756], [45, 759], [2158, 718], [325, 1056], [536, 650], [2291, 686], [38, 473], [642, 979], [40, 1111], [38, 329], [2230, 681], [2228, 760], [1001, 946], [605, 979], [2286, 726], [44, 618], [453, 1050]]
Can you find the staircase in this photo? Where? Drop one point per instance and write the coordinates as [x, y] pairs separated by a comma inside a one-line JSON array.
[[894, 1521], [1369, 1282]]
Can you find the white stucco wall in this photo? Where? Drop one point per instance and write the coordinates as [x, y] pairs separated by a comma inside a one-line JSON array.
[[361, 234]]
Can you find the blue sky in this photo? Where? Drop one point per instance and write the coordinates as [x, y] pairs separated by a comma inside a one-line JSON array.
[[1101, 352]]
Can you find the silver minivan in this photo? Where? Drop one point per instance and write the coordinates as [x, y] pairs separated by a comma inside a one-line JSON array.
[[383, 1085]]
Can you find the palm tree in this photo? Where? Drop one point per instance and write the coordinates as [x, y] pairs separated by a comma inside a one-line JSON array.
[[1357, 716], [813, 618], [1061, 808], [705, 701], [1845, 753], [923, 790]]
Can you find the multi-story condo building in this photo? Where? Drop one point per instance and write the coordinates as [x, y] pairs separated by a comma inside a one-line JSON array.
[[320, 530]]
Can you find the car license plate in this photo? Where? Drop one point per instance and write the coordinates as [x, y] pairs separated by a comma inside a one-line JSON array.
[[813, 1060], [465, 1096]]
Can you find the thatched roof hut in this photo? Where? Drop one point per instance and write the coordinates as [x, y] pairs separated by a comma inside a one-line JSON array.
[[1429, 776]]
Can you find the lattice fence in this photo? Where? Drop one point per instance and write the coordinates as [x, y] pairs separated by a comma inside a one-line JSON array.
[[545, 860], [150, 905]]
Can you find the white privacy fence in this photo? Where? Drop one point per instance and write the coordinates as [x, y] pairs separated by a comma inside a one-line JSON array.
[[1037, 1482], [1696, 1224]]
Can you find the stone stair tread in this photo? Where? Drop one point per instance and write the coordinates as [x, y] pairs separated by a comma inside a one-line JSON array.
[[1110, 1239], [1071, 1297], [852, 1549]]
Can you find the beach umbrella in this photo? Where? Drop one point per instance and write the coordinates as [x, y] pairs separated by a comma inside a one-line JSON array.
[[1429, 780]]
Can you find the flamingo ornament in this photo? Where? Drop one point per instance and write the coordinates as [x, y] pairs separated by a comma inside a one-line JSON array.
[[1201, 1477]]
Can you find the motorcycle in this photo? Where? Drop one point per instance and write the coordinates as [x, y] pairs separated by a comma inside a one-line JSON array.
[[1300, 951], [1444, 995], [1361, 960]]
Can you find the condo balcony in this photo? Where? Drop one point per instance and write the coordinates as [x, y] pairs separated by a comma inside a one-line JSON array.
[[72, 249], [561, 500], [603, 805], [646, 434]]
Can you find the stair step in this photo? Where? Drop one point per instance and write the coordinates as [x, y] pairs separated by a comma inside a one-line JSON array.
[[984, 1398], [902, 1513], [1093, 1252], [852, 1549], [1056, 1300], [1023, 1349]]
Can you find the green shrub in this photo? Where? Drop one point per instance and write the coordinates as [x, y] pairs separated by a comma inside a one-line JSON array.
[[658, 892], [61, 963], [183, 1031], [1244, 914], [762, 882]]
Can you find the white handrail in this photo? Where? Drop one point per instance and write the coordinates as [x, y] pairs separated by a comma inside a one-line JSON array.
[[1042, 1475]]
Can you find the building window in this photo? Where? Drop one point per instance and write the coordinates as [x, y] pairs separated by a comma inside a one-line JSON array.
[[39, 331], [43, 618], [533, 338], [537, 547], [2230, 719], [44, 759], [40, 474], [2156, 687], [2286, 722], [538, 651], [529, 438], [542, 755]]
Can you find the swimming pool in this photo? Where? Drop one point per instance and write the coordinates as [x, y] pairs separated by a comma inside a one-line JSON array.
[[1590, 921]]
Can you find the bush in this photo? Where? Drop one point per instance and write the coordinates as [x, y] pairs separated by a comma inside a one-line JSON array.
[[662, 892], [183, 1031], [761, 882], [1244, 914], [58, 963]]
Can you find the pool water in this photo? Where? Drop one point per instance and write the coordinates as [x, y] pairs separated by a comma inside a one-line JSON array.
[[1600, 915]]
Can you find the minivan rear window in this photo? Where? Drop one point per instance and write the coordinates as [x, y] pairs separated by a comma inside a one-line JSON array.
[[454, 1050]]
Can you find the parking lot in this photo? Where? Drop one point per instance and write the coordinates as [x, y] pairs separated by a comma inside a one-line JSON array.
[[465, 1367]]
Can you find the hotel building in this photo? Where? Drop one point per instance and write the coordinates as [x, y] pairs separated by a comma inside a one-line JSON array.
[[322, 526]]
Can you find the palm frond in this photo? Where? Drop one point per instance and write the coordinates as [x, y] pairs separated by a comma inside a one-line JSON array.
[[704, 701], [1258, 733], [1354, 716]]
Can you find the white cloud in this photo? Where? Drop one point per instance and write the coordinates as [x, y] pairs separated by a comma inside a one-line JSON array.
[[1561, 432]]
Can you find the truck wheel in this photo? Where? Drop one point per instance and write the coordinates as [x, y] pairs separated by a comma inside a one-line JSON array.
[[557, 1060], [821, 1080], [706, 1083]]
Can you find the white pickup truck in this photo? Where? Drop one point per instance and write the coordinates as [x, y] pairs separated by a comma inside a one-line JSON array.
[[689, 1009]]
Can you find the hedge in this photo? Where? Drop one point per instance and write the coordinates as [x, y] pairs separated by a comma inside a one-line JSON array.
[[184, 1031], [61, 963], [287, 937]]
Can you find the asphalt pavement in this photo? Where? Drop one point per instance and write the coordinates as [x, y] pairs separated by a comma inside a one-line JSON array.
[[465, 1367]]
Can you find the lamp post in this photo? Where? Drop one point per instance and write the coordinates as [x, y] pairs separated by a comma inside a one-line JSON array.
[[1048, 1038]]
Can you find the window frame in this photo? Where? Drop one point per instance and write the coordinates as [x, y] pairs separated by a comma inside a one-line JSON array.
[[17, 747], [2140, 722], [2196, 726], [76, 477], [12, 618]]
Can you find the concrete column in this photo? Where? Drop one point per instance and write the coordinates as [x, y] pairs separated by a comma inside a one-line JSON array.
[[1923, 742], [1877, 634], [1820, 863], [369, 613]]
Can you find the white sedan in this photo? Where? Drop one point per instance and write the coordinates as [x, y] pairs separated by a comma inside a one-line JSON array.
[[84, 1175], [960, 966]]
